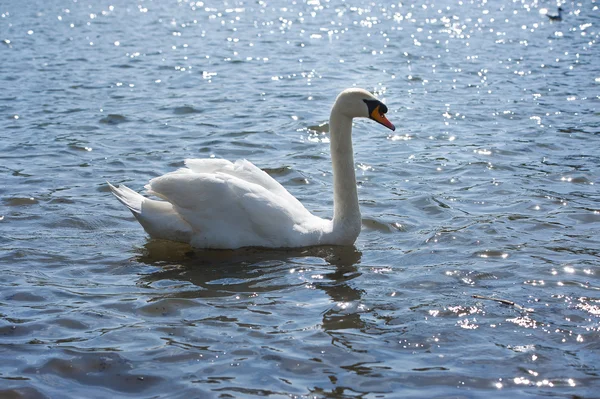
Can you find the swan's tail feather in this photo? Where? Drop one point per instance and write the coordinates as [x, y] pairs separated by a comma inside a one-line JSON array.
[[158, 218], [128, 197]]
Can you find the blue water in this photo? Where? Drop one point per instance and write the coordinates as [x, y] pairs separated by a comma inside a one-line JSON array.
[[476, 274]]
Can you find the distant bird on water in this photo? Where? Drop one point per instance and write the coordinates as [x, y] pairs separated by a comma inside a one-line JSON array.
[[556, 17]]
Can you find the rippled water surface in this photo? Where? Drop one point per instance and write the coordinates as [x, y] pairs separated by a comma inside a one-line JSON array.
[[477, 271]]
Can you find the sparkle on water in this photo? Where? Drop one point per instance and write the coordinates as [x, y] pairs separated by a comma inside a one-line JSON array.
[[477, 270]]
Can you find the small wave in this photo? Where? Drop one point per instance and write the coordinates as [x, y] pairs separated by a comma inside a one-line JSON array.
[[80, 147], [113, 119], [280, 171], [383, 227], [19, 201], [186, 110], [321, 128]]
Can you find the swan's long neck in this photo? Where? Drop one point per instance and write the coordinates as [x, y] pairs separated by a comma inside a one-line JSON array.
[[346, 213]]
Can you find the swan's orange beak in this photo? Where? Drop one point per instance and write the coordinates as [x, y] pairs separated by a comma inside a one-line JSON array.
[[379, 117]]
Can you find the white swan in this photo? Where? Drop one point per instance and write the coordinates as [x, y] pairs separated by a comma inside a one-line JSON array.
[[214, 203]]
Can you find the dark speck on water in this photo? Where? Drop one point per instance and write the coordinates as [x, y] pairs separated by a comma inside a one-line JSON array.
[[477, 271]]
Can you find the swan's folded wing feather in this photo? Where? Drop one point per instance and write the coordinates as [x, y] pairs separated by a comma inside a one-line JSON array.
[[189, 190], [208, 165], [245, 170]]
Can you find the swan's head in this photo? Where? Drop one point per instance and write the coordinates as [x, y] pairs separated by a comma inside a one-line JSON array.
[[359, 103]]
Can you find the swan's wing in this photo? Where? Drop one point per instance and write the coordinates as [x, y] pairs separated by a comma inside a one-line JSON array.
[[229, 210], [246, 171], [208, 165]]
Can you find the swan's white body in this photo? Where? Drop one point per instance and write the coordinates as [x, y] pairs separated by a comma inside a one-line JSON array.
[[214, 203]]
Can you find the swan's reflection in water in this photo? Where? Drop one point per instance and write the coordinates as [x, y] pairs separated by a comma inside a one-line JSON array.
[[255, 271]]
